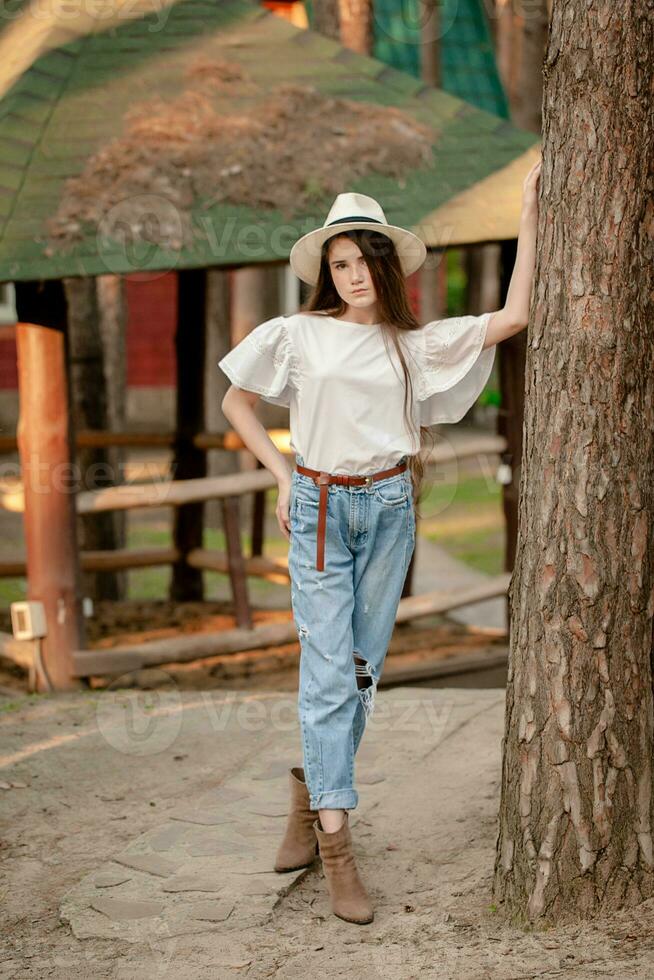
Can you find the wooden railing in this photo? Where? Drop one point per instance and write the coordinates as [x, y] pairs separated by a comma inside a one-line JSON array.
[[228, 489]]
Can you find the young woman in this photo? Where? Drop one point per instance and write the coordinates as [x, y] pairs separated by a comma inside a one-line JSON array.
[[362, 379]]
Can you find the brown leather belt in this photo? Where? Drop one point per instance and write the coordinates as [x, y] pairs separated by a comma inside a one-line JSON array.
[[323, 479]]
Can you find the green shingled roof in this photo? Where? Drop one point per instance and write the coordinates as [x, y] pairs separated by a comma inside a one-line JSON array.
[[73, 100]]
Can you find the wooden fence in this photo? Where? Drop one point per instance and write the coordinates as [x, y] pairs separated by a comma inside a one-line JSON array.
[[229, 489]]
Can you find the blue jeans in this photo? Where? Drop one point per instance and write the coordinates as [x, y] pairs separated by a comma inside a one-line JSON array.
[[345, 617]]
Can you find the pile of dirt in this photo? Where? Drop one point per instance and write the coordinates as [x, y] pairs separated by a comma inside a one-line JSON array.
[[293, 147]]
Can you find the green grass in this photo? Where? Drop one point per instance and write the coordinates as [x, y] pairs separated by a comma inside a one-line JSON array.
[[465, 491], [12, 590], [481, 550], [456, 306], [29, 698], [456, 282], [466, 520]]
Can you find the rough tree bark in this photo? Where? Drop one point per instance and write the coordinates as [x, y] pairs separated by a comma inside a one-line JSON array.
[[575, 834]]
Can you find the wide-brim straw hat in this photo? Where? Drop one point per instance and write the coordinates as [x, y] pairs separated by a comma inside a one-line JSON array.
[[351, 211]]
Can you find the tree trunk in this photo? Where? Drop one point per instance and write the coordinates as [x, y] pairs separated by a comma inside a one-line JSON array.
[[520, 38], [346, 21], [432, 276], [575, 836], [507, 47], [527, 97], [89, 410], [430, 41], [356, 25], [218, 318], [112, 308], [326, 18]]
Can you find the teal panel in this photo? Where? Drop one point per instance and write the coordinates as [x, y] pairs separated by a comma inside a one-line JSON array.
[[468, 65]]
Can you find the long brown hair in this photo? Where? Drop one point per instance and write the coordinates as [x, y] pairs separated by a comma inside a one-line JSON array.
[[394, 311]]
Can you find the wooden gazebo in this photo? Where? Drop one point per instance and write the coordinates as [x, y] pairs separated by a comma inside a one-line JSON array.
[[66, 118]]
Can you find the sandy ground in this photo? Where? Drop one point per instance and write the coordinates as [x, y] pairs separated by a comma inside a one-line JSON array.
[[75, 796]]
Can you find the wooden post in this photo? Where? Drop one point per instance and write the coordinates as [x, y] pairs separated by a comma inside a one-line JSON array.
[[46, 450], [430, 42], [189, 461], [355, 18], [216, 383], [112, 310]]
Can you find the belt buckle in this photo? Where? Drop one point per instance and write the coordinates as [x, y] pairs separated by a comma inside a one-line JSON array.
[[368, 480]]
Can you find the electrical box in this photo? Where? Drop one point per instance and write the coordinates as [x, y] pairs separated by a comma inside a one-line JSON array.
[[28, 620]]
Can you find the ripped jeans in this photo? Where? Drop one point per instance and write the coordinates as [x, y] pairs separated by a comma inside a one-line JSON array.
[[345, 617]]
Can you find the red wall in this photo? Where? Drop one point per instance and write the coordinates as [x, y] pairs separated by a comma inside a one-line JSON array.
[[151, 306], [8, 368]]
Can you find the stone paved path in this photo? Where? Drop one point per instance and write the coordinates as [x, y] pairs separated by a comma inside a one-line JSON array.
[[209, 864]]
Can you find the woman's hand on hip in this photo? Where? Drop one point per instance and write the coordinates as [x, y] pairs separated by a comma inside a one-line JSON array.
[[282, 509]]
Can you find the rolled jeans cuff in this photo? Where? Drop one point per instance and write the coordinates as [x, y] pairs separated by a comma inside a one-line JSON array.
[[335, 799]]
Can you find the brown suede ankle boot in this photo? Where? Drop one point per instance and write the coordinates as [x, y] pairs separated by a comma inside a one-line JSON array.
[[348, 896], [299, 848]]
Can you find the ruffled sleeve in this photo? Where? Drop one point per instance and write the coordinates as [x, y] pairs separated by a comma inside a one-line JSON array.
[[265, 362], [452, 367]]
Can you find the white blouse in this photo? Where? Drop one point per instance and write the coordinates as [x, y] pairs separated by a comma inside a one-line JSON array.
[[345, 389]]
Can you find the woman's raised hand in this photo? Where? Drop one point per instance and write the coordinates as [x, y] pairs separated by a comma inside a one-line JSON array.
[[530, 190]]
